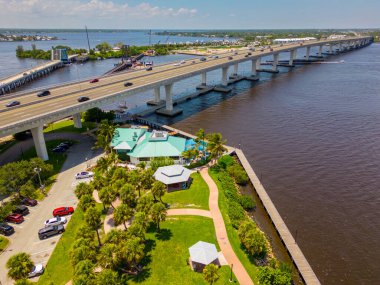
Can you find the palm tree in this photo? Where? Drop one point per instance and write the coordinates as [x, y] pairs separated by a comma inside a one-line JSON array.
[[105, 134], [158, 190], [144, 204], [92, 218], [83, 189], [106, 257], [19, 266], [86, 202], [102, 165], [215, 145], [135, 178], [107, 195], [200, 139], [210, 273], [158, 214], [133, 251], [122, 214], [127, 195]]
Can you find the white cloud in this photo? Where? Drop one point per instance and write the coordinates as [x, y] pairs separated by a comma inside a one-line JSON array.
[[65, 10]]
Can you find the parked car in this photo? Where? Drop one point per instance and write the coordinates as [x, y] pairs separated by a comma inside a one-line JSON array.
[[43, 93], [38, 269], [6, 229], [83, 99], [22, 210], [149, 68], [15, 218], [63, 145], [55, 221], [50, 231], [58, 149], [126, 84], [94, 80], [13, 103], [202, 59], [249, 53], [29, 202], [84, 174], [63, 211]]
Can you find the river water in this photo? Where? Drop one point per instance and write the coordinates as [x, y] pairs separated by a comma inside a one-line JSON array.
[[311, 133]]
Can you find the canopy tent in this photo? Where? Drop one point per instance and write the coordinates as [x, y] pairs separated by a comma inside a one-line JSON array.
[[203, 253]]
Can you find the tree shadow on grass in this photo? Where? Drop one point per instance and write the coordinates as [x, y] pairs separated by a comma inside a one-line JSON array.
[[146, 272], [164, 234]]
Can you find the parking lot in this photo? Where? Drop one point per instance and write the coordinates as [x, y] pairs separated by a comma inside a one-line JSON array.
[[25, 238]]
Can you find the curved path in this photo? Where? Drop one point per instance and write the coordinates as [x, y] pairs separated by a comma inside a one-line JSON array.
[[221, 232], [189, 212]]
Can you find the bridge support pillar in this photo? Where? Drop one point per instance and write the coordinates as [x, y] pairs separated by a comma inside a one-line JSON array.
[[224, 76], [340, 47], [204, 79], [157, 98], [331, 49], [236, 66], [169, 110], [39, 142], [307, 53], [292, 57], [275, 62], [320, 51], [77, 121], [253, 76]]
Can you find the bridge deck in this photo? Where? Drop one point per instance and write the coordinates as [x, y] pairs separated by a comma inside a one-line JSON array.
[[295, 252]]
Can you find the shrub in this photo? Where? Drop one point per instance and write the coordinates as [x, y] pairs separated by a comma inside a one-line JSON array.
[[274, 276], [236, 213], [226, 161], [247, 202], [252, 238], [238, 173]]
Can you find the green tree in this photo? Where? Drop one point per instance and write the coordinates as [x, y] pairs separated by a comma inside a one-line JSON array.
[[200, 140], [97, 115], [160, 161], [107, 256], [133, 252], [19, 266], [127, 195], [108, 277], [158, 214], [103, 47], [82, 249], [210, 273], [122, 214], [274, 276], [23, 282], [104, 137], [83, 189], [107, 195], [252, 238], [135, 178], [215, 145], [92, 218], [102, 165], [144, 204], [158, 190], [86, 202]]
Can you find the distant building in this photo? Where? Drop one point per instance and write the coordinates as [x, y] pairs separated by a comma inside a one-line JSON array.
[[293, 40], [137, 145]]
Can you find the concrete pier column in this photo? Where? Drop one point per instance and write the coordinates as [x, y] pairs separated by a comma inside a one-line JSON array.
[[169, 97], [258, 63], [157, 94], [224, 76], [77, 121], [39, 142], [320, 50], [254, 67], [275, 62], [331, 48], [204, 78], [340, 47], [307, 53], [292, 57], [236, 66]]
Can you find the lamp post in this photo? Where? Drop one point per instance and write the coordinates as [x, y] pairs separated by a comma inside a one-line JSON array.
[[38, 170], [232, 266]]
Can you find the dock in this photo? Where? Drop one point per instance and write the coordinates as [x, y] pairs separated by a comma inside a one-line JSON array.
[[299, 260]]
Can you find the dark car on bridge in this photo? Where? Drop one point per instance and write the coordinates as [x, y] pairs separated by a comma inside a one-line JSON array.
[[13, 103], [6, 229], [202, 59], [43, 93], [230, 57], [83, 99], [149, 68], [94, 80], [126, 84]]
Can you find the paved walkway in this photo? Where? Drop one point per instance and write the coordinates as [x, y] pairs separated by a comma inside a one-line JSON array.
[[189, 212], [221, 233]]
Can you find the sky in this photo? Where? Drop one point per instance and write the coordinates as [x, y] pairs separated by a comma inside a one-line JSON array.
[[194, 14]]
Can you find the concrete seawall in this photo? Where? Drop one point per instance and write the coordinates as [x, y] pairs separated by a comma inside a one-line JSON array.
[[303, 266]]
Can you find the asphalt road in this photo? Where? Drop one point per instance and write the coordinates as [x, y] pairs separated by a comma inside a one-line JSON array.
[[65, 97], [25, 238]]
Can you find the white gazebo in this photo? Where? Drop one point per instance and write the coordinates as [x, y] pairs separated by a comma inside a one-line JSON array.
[[201, 254], [175, 177]]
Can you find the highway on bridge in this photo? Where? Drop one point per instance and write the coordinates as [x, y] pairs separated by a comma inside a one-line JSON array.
[[64, 97]]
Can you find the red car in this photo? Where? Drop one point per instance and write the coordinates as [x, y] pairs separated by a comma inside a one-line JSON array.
[[15, 218], [63, 211], [94, 80]]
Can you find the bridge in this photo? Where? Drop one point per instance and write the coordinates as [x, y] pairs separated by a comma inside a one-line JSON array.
[[34, 112]]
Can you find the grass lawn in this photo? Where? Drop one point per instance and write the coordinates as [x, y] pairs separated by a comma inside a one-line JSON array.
[[194, 197], [58, 268], [3, 243], [55, 159], [251, 268], [167, 259], [68, 126]]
